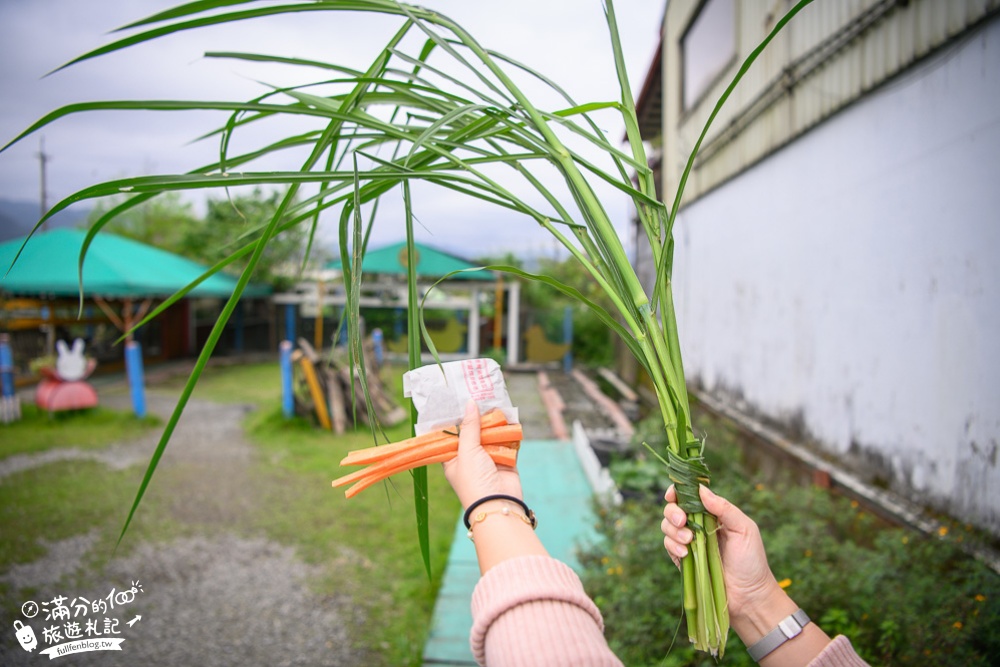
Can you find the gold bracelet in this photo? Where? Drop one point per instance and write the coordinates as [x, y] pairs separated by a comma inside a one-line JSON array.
[[479, 517]]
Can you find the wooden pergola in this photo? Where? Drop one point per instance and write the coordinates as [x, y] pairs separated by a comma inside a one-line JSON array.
[[385, 287]]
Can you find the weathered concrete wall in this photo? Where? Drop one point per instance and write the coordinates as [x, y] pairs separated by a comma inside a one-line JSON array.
[[850, 282]]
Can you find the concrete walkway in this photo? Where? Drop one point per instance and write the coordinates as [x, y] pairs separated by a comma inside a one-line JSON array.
[[557, 490]]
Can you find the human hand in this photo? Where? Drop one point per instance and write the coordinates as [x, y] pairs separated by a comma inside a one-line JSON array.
[[472, 473], [749, 581]]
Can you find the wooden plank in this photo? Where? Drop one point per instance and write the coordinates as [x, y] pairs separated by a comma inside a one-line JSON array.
[[626, 391], [338, 406], [319, 400]]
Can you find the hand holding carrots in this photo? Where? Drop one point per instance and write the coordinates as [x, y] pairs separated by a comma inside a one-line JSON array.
[[473, 473], [494, 437]]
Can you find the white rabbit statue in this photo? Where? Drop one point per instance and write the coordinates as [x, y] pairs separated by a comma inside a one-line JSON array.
[[71, 365]]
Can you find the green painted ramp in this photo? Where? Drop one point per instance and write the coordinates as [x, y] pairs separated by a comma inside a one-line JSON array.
[[556, 488]]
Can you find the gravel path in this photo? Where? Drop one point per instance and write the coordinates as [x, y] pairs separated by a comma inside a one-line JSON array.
[[212, 599]]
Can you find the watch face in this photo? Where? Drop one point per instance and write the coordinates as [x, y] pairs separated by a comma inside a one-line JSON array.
[[29, 609]]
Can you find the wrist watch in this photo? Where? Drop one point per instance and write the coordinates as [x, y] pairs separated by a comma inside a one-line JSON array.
[[789, 628]]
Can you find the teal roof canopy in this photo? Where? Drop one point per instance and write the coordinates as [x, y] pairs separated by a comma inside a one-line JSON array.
[[431, 263], [114, 267]]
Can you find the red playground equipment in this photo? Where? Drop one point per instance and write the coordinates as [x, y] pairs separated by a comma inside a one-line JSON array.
[[64, 387]]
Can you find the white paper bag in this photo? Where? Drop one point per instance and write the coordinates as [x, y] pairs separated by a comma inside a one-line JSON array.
[[440, 392]]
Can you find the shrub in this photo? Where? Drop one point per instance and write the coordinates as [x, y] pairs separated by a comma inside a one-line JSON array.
[[903, 598]]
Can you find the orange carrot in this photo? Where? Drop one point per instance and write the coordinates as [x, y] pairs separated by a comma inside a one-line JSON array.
[[491, 419], [376, 454], [373, 454], [498, 434], [401, 460], [378, 476], [501, 457], [500, 439]]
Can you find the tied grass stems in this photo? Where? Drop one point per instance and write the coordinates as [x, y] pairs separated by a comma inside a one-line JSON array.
[[458, 120]]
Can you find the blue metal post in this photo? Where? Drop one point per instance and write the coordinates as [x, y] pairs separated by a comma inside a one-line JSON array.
[[287, 395], [343, 328], [568, 338], [6, 366], [10, 407], [377, 344], [136, 377], [290, 322]]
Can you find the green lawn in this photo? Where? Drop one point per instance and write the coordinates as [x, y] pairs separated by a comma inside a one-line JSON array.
[[95, 428], [256, 383], [365, 547]]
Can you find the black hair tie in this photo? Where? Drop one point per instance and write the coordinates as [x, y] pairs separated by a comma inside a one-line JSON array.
[[499, 496]]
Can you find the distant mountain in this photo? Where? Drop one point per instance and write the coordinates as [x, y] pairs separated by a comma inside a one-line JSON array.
[[18, 217]]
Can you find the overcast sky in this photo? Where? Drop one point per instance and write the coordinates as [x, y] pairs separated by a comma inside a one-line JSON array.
[[566, 40]]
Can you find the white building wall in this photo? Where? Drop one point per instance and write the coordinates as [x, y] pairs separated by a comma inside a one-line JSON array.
[[850, 282]]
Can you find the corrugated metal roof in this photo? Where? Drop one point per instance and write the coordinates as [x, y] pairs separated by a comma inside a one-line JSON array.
[[827, 57], [649, 105]]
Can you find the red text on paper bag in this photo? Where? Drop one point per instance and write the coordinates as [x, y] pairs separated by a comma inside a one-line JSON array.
[[477, 379]]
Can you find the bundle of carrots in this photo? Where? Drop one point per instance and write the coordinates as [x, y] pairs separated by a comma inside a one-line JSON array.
[[500, 440]]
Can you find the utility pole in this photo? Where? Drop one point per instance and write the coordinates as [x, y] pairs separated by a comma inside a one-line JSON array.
[[43, 158]]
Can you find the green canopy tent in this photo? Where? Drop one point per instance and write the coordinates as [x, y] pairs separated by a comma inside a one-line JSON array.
[[431, 264], [115, 269]]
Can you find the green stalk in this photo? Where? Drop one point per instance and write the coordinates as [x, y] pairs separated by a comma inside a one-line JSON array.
[[718, 581], [690, 595]]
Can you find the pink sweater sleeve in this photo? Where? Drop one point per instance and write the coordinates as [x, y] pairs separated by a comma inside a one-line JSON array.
[[532, 610], [838, 653]]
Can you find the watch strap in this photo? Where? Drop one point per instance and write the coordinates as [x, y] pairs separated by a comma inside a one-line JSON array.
[[789, 628]]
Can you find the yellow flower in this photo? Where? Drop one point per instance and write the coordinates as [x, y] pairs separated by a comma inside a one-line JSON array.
[[906, 539], [618, 570], [957, 625], [611, 571], [759, 487], [785, 583], [942, 531], [809, 553], [854, 504], [605, 560], [980, 598]]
